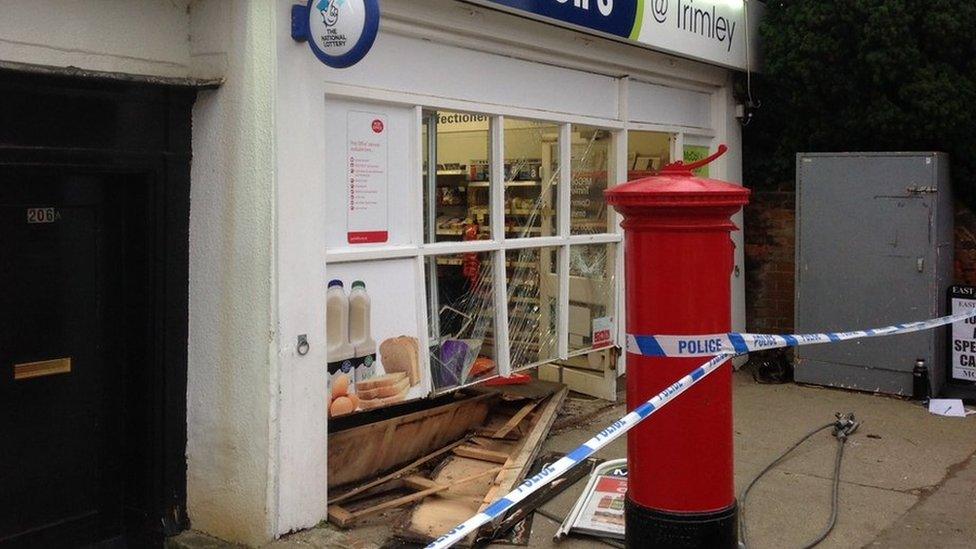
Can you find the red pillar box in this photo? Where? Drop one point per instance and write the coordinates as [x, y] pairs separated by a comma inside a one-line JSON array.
[[678, 261]]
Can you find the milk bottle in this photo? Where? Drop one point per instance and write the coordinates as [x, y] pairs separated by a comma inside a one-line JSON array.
[[364, 347], [340, 352]]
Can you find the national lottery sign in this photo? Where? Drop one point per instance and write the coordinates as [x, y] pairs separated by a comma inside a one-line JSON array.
[[963, 345], [339, 32]]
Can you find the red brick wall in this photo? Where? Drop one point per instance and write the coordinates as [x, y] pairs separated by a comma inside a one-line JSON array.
[[770, 220], [965, 249], [770, 235]]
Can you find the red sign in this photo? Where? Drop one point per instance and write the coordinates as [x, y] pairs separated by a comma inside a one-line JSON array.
[[377, 126]]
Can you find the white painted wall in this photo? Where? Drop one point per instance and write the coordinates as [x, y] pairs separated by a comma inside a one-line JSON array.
[[232, 372], [729, 167], [302, 228], [146, 37]]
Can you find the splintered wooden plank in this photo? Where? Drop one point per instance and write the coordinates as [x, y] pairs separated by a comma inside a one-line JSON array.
[[434, 516], [340, 517], [418, 482], [521, 461], [483, 454], [399, 472], [345, 518], [366, 451], [516, 419]]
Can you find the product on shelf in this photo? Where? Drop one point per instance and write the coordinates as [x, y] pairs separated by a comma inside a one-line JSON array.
[[482, 365], [402, 355]]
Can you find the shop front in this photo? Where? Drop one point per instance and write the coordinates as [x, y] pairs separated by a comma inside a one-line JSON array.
[[300, 243], [441, 212]]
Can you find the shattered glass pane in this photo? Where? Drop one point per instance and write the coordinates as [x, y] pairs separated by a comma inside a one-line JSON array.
[[461, 316], [590, 158], [533, 296], [592, 269], [531, 174]]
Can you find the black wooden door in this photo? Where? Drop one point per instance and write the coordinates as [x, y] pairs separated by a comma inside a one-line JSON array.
[[61, 357], [94, 233]]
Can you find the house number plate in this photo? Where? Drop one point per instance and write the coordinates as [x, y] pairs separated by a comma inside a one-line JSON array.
[[43, 215]]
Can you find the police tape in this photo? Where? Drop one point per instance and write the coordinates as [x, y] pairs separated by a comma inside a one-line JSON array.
[[726, 346], [738, 343]]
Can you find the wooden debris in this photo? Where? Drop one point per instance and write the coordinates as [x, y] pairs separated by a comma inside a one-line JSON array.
[[520, 463], [344, 518], [516, 419], [435, 515], [365, 451], [481, 453], [398, 473]]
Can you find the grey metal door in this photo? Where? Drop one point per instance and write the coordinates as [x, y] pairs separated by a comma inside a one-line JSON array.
[[867, 256]]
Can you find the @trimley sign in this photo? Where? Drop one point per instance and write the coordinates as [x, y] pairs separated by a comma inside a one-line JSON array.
[[723, 32], [339, 32]]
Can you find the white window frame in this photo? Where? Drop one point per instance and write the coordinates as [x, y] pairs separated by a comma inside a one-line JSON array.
[[498, 245]]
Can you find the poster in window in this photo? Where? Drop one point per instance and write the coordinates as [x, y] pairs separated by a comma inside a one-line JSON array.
[[374, 352], [367, 175], [694, 153]]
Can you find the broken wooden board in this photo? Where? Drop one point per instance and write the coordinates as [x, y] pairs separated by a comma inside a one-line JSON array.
[[435, 515], [365, 489], [344, 518], [367, 451]]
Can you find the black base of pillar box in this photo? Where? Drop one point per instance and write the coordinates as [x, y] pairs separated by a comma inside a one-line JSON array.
[[650, 528]]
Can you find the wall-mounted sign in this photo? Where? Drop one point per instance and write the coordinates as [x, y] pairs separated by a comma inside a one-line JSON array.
[[339, 32], [714, 31], [963, 341]]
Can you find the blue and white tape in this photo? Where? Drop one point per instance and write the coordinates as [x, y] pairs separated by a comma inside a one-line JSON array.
[[725, 347], [738, 343]]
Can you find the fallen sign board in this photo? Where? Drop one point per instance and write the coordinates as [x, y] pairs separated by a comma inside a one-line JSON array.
[[599, 511]]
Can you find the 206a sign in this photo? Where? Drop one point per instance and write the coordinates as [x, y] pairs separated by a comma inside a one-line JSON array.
[[43, 215]]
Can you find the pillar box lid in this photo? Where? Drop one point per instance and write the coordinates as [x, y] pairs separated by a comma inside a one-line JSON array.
[[676, 187]]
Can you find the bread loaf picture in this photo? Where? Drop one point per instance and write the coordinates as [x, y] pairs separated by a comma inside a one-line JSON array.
[[402, 354], [383, 390], [381, 381]]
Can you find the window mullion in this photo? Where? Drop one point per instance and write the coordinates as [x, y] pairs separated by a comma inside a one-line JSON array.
[[500, 281], [502, 355], [424, 321], [563, 219]]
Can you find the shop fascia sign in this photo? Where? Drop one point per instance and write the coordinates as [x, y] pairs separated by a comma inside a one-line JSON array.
[[714, 31], [339, 32]]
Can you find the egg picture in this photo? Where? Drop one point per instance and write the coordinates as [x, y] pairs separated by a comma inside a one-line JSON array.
[[341, 405], [340, 387]]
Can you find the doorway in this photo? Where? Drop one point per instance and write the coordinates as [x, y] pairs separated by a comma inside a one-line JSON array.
[[92, 312]]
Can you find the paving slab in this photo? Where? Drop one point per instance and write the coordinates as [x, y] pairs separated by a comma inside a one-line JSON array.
[[944, 518]]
